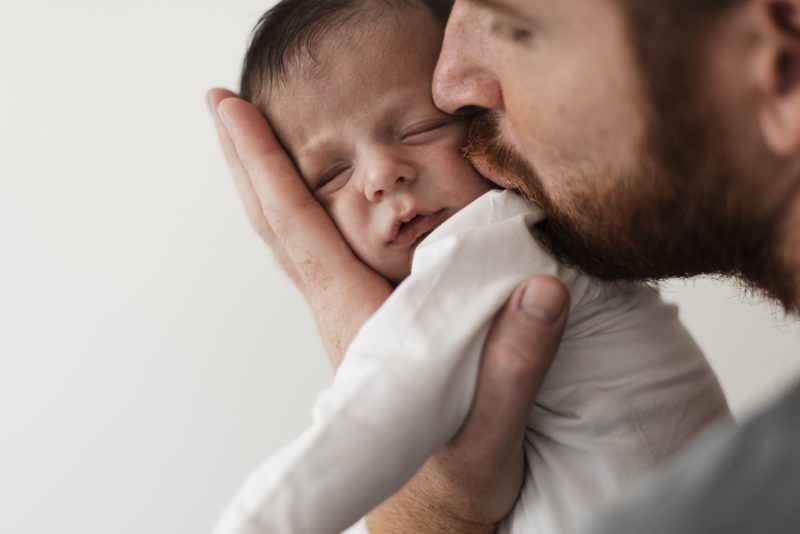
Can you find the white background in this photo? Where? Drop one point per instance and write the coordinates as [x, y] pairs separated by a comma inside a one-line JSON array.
[[150, 351]]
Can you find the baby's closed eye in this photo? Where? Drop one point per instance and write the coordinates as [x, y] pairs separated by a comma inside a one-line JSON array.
[[428, 131], [330, 177]]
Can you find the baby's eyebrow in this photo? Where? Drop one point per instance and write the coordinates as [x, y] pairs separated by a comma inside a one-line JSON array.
[[311, 158]]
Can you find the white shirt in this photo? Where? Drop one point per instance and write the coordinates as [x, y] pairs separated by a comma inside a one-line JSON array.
[[628, 387]]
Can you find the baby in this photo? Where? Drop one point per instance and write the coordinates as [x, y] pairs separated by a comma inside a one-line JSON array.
[[346, 84]]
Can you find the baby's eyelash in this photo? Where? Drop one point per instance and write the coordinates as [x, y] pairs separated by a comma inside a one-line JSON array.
[[427, 127], [328, 177]]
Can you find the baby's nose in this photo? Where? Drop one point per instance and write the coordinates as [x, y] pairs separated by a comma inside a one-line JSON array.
[[375, 194], [386, 177]]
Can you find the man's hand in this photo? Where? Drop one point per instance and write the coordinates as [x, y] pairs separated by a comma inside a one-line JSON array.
[[341, 290], [472, 482]]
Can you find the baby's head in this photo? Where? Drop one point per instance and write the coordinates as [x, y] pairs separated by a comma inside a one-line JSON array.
[[346, 85]]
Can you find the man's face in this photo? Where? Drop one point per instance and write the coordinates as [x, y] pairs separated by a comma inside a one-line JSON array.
[[559, 76], [370, 143], [635, 185]]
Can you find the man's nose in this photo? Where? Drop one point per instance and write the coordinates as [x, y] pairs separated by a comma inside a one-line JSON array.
[[463, 79], [386, 173]]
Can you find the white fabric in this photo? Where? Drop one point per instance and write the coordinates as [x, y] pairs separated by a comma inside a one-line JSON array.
[[628, 387]]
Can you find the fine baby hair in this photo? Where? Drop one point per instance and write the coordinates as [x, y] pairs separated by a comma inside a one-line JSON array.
[[289, 37]]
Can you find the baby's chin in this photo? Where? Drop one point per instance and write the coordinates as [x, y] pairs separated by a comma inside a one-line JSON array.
[[399, 271], [392, 264]]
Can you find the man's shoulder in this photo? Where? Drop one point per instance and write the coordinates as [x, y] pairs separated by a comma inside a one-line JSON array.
[[736, 480]]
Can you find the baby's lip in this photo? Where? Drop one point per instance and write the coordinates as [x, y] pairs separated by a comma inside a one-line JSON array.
[[409, 228]]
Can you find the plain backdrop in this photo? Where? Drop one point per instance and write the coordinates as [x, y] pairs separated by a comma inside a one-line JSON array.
[[151, 353]]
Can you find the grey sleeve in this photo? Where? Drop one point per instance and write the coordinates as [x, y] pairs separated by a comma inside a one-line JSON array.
[[734, 480]]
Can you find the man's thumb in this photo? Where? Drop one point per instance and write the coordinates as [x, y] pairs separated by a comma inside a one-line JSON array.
[[517, 355], [544, 298]]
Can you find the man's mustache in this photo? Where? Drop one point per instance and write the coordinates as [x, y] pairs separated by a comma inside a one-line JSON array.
[[485, 148]]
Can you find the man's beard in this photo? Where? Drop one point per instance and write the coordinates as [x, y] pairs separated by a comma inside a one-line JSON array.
[[684, 212]]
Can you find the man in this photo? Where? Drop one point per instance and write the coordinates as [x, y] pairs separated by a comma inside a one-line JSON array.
[[662, 137]]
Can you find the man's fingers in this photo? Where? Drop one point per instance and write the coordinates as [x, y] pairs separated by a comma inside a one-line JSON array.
[[248, 195], [244, 187], [518, 352], [303, 227]]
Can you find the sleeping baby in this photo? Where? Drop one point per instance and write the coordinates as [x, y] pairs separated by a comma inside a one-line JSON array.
[[346, 85]]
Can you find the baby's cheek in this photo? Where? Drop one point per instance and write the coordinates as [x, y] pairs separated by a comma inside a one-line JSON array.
[[352, 218], [395, 264], [463, 182]]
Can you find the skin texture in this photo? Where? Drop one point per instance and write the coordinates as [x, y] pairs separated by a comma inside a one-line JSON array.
[[373, 148], [577, 104]]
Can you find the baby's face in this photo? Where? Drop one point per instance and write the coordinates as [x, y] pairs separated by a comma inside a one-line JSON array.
[[372, 147]]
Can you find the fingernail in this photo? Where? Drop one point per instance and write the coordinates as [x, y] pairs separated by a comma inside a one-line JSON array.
[[543, 300]]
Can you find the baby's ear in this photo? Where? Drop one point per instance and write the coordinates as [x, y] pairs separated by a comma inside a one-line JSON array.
[[778, 75]]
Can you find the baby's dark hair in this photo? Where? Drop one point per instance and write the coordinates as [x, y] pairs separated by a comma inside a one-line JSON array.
[[295, 30]]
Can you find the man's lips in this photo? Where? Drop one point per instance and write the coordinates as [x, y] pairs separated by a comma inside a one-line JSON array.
[[488, 170], [408, 230]]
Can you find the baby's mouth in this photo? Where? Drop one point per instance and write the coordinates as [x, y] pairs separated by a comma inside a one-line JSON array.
[[413, 228]]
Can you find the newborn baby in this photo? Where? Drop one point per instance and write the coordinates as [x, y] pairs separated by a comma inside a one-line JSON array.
[[347, 87]]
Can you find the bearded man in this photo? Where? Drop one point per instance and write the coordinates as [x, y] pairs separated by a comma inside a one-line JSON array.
[[662, 137]]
